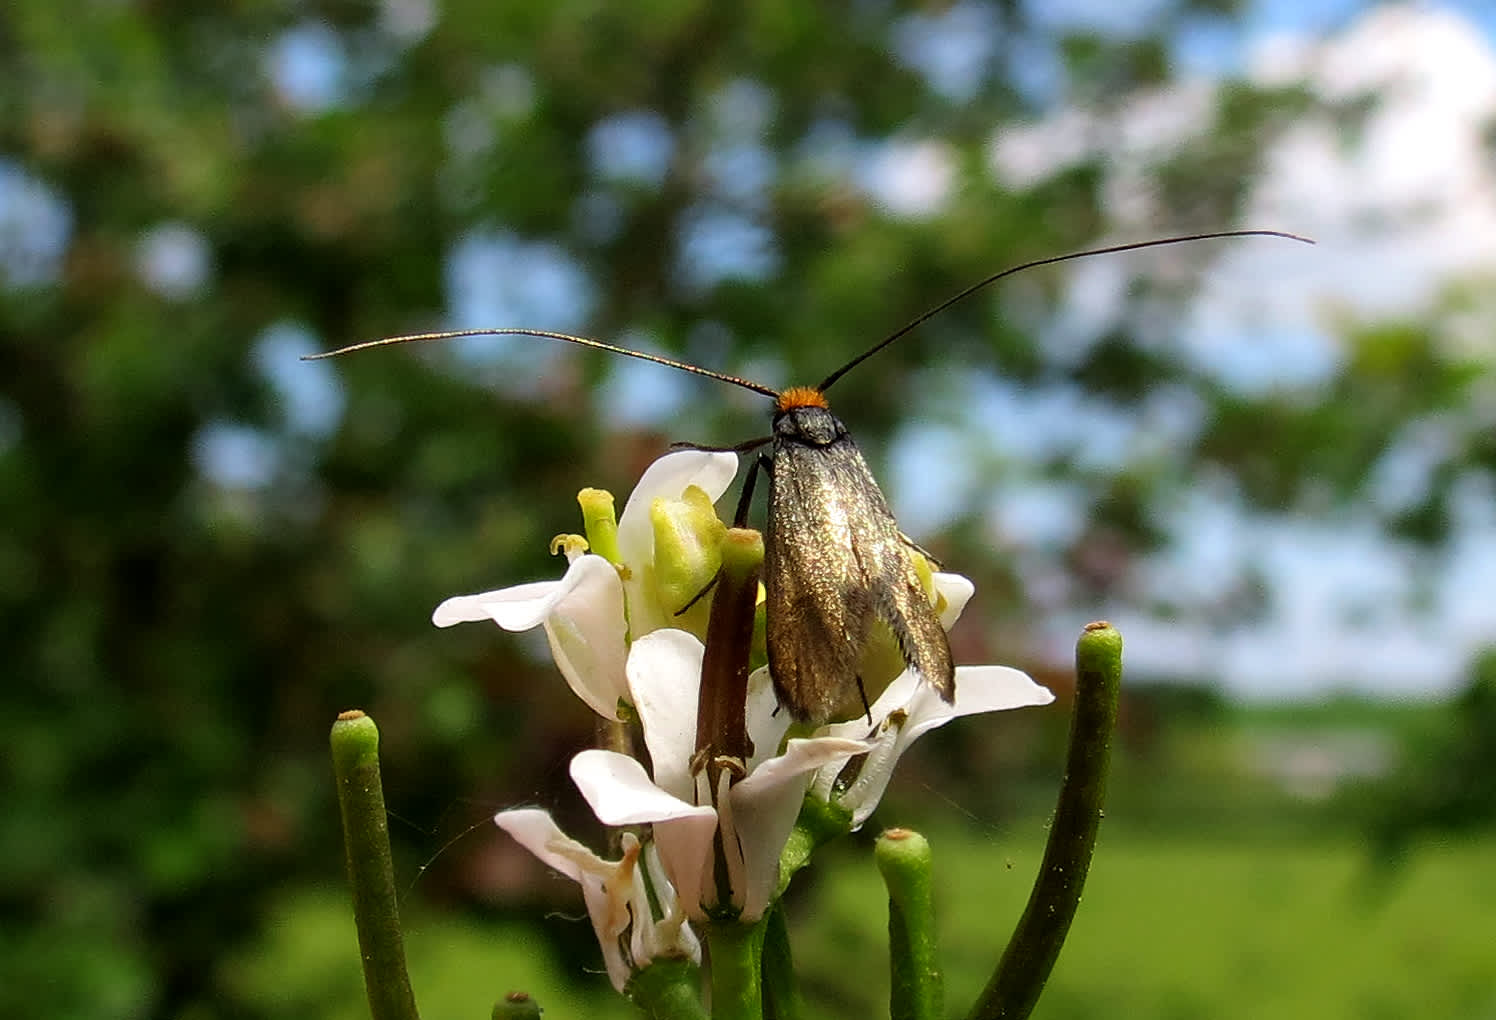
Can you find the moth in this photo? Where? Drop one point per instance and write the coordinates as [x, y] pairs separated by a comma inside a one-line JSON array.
[[835, 565], [835, 562]]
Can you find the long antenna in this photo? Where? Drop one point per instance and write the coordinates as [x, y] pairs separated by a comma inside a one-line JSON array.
[[545, 334], [1051, 260]]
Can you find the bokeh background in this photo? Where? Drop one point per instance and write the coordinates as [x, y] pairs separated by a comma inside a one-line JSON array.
[[1271, 465]]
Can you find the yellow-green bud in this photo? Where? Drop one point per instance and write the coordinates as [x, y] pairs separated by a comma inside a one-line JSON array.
[[926, 574], [760, 654], [600, 522], [742, 551], [687, 553]]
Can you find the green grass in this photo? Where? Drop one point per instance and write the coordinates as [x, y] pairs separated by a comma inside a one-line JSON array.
[[1176, 928]]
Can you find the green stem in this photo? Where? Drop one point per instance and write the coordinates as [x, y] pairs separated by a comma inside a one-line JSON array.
[[668, 990], [781, 990], [916, 985], [1024, 969], [737, 964], [371, 871], [819, 823]]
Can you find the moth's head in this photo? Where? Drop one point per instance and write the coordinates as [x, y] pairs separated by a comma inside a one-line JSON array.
[[801, 414], [799, 396]]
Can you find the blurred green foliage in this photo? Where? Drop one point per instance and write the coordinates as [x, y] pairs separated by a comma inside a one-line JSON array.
[[1442, 786], [176, 646]]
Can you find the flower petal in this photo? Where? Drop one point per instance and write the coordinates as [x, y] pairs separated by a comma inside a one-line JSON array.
[[766, 724], [522, 606], [538, 833], [955, 591], [606, 885], [588, 636], [978, 689], [621, 794], [584, 622], [664, 676], [669, 935], [765, 805]]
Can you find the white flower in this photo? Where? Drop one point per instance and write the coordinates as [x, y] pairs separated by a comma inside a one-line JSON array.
[[754, 814], [909, 708], [587, 613], [616, 893]]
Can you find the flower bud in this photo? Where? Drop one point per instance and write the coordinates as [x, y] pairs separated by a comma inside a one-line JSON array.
[[600, 522], [687, 553]]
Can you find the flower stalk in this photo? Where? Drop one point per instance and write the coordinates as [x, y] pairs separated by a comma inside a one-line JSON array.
[[916, 983], [371, 872], [781, 990], [736, 950], [1024, 969]]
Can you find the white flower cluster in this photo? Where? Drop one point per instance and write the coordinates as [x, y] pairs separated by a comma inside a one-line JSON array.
[[614, 634]]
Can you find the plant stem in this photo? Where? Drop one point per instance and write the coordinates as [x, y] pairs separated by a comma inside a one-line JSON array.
[[371, 871], [819, 822], [1025, 966], [781, 990], [916, 985], [737, 964]]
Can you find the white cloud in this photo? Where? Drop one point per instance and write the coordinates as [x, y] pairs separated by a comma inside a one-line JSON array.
[[1407, 201]]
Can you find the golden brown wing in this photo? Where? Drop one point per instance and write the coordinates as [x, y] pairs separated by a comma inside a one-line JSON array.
[[835, 562]]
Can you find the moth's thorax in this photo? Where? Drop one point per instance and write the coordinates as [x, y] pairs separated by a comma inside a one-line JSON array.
[[810, 424]]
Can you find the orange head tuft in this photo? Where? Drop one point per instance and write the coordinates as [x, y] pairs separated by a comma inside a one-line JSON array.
[[800, 396]]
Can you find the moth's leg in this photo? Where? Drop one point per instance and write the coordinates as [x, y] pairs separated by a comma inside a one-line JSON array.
[[866, 708], [762, 463], [700, 595], [744, 447]]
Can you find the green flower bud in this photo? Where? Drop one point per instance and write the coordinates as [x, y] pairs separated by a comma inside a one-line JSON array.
[[687, 554], [600, 522]]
